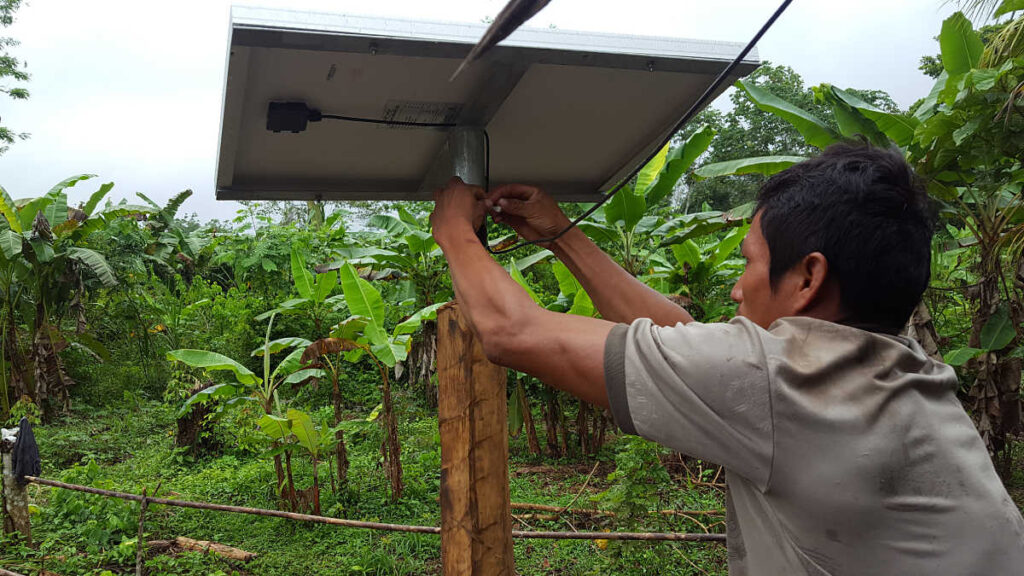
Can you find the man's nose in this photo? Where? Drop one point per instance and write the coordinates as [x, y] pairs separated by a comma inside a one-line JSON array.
[[737, 293]]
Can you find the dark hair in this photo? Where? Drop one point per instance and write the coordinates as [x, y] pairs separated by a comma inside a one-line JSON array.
[[866, 211]]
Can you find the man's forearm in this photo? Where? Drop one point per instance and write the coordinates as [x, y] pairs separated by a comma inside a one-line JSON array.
[[619, 297], [563, 351]]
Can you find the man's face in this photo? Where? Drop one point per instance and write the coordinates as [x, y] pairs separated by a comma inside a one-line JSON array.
[[753, 291]]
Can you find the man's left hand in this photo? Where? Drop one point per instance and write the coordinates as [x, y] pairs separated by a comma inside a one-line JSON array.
[[458, 209]]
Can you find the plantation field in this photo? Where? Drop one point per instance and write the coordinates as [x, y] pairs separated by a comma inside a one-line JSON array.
[[133, 448]]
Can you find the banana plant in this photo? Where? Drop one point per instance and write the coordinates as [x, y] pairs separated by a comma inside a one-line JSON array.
[[624, 223], [172, 248], [297, 430], [366, 327], [571, 299], [327, 355], [245, 385], [46, 271], [314, 293], [703, 265], [402, 249]]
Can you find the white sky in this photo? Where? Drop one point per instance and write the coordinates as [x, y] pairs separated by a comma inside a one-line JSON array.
[[131, 89]]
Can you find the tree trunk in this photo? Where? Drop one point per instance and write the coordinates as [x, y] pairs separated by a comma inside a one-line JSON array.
[[51, 384], [995, 393], [15, 499], [581, 426], [531, 429], [340, 452], [330, 474], [921, 329], [551, 425], [292, 501], [17, 384], [563, 429], [316, 488], [193, 430], [391, 448], [601, 424], [282, 487], [422, 362]]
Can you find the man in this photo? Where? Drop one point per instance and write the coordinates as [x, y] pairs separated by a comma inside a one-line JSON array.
[[847, 451]]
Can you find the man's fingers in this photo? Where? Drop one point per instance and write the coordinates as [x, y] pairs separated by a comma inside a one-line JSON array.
[[518, 191], [511, 206]]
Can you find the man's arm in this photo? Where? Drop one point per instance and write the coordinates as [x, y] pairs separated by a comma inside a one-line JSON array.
[[619, 297], [563, 351]]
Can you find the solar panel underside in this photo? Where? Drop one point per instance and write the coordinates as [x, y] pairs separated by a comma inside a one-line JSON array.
[[558, 115]]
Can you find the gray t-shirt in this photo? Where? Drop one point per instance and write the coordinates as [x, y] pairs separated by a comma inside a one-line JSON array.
[[847, 451]]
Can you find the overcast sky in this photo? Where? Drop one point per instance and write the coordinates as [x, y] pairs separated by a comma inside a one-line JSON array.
[[131, 90]]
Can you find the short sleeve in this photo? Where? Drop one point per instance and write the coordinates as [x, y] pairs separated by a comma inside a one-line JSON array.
[[700, 389]]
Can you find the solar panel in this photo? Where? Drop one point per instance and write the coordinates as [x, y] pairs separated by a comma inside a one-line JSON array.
[[569, 111]]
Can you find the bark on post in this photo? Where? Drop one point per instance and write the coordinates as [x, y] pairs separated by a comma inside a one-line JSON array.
[[476, 519], [15, 501]]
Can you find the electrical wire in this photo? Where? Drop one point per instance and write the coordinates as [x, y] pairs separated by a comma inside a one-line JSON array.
[[387, 122], [697, 105]]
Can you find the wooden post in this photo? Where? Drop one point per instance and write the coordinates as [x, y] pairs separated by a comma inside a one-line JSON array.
[[476, 518], [15, 500]]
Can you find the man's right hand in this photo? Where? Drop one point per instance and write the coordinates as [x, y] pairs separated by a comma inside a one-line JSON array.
[[528, 210]]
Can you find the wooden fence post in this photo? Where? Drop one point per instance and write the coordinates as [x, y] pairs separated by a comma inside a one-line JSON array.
[[15, 497], [476, 518]]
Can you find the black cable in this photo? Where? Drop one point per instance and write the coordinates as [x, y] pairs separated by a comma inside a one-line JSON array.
[[678, 126], [386, 122]]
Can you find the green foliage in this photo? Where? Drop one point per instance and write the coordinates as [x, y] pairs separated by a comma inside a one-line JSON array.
[[763, 165], [24, 408], [961, 46], [749, 130], [814, 131], [636, 481], [998, 331], [621, 224], [10, 68], [104, 523]]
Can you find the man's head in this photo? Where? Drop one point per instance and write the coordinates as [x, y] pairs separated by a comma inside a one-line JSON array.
[[845, 236]]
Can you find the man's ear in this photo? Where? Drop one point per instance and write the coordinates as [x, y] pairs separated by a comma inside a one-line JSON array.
[[811, 273]]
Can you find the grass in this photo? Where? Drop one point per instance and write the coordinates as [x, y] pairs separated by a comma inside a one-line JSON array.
[[133, 448]]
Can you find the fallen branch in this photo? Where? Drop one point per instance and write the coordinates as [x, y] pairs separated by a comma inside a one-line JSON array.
[[544, 517], [648, 536], [229, 552], [584, 487], [158, 546], [240, 509], [595, 512], [8, 573]]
